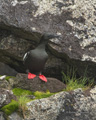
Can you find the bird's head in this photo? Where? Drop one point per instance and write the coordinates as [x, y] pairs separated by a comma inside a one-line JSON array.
[[47, 36]]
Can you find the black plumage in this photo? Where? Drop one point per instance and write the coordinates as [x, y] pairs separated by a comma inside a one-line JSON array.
[[35, 59]]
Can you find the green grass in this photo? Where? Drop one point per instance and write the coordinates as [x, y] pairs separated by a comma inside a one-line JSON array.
[[72, 82]]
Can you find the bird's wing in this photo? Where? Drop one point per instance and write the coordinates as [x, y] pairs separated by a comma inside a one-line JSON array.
[[25, 56]]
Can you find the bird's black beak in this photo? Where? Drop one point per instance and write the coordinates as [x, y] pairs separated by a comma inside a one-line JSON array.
[[54, 39], [54, 36]]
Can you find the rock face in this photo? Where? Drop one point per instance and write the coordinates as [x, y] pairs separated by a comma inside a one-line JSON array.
[[52, 84], [6, 70], [4, 84], [5, 97], [22, 24], [76, 105], [1, 116]]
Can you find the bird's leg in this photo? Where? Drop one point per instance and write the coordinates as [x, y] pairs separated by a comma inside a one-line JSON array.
[[42, 77], [27, 71]]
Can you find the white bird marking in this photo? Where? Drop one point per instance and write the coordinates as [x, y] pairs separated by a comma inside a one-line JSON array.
[[25, 56]]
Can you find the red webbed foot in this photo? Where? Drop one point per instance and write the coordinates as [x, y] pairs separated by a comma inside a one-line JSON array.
[[31, 76], [42, 77]]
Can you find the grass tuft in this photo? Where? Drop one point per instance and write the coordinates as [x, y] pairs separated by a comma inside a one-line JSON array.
[[72, 82]]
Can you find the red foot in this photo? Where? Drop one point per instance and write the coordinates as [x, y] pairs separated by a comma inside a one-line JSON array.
[[31, 76], [42, 77]]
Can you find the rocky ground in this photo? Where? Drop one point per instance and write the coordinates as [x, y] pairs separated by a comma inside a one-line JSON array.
[[53, 84], [77, 104], [22, 23]]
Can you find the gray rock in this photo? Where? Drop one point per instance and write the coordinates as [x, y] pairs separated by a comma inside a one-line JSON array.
[[4, 84], [5, 97], [15, 116], [63, 106], [22, 24], [6, 70], [36, 84], [74, 105], [2, 116]]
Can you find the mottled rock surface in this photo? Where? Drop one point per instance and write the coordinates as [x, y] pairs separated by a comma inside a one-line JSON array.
[[73, 105], [5, 97], [4, 84], [22, 23], [52, 84], [64, 106], [2, 116], [14, 116]]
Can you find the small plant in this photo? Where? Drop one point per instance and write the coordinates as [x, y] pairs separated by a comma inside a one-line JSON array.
[[19, 105], [22, 100], [72, 82]]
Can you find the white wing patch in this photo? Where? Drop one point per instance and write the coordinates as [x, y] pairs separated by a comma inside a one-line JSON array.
[[25, 56]]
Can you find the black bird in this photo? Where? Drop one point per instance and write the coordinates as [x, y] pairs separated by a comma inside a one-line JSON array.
[[34, 60]]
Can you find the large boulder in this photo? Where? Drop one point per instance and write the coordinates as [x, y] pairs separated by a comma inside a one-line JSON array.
[[77, 105], [22, 23], [6, 70], [36, 84]]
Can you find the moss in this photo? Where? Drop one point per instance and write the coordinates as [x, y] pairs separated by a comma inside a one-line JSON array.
[[40, 95], [20, 92], [22, 99], [10, 108], [37, 94], [8, 77], [13, 106]]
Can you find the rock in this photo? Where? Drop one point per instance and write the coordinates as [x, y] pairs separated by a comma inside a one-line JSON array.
[[53, 85], [4, 84], [2, 116], [14, 116], [71, 105], [63, 106], [6, 70], [22, 23], [5, 97]]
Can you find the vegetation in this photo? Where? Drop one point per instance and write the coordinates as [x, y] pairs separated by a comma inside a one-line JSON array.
[[20, 92], [22, 99], [70, 79], [8, 77], [72, 82], [11, 107], [40, 95]]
